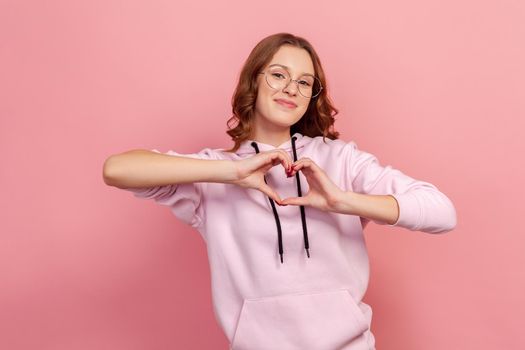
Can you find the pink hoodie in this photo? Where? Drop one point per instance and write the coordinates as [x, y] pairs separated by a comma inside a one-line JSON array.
[[301, 303]]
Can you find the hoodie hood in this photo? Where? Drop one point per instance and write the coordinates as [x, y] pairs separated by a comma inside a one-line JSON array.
[[247, 148]]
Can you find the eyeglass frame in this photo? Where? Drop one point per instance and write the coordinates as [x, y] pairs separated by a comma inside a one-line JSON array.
[[296, 82]]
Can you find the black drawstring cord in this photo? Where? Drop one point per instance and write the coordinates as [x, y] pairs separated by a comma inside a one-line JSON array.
[[276, 216], [303, 217]]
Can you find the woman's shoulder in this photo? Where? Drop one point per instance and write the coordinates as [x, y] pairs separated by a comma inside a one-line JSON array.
[[325, 144]]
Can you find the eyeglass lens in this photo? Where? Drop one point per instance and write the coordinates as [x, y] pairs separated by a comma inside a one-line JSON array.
[[278, 78]]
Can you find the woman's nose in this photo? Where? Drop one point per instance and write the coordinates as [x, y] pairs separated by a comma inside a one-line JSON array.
[[291, 87]]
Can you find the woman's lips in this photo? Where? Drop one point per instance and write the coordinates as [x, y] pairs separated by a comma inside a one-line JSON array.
[[286, 104]]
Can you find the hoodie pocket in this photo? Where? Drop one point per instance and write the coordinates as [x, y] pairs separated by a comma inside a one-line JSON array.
[[314, 321]]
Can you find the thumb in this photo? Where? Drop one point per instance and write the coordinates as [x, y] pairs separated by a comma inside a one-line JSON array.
[[295, 201]]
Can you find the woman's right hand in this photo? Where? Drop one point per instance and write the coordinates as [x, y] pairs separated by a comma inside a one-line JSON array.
[[250, 171]]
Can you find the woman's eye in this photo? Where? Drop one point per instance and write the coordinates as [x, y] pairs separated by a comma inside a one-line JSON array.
[[305, 83], [277, 75]]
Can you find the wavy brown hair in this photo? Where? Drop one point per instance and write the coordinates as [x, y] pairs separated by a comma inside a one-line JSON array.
[[318, 120]]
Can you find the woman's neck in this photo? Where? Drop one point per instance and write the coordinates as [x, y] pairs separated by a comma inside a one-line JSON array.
[[273, 138]]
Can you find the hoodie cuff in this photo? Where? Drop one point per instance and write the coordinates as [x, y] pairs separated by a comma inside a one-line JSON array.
[[409, 210]]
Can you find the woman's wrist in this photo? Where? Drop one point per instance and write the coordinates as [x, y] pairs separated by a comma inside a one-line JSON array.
[[226, 172]]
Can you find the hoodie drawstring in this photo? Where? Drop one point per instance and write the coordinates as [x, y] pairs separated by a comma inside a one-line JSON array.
[[299, 193], [276, 216]]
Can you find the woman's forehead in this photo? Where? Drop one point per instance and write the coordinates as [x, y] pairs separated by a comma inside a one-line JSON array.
[[294, 59], [277, 65]]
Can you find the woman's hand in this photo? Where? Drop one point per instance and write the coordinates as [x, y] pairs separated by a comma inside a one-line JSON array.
[[322, 194], [250, 171]]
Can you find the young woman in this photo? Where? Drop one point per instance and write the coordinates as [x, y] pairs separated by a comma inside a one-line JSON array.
[[291, 275]]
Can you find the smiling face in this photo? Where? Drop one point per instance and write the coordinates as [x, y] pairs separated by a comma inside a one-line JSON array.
[[271, 115]]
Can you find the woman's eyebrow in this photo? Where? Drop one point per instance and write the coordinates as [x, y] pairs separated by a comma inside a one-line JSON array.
[[282, 65]]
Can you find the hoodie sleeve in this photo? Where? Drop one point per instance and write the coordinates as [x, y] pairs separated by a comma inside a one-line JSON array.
[[185, 199], [422, 207]]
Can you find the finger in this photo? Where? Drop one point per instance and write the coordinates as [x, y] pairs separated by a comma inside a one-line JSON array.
[[268, 160], [267, 167], [289, 160], [270, 193], [306, 161], [304, 165], [283, 158], [295, 201]]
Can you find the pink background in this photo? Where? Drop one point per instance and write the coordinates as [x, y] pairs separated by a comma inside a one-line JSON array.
[[434, 88]]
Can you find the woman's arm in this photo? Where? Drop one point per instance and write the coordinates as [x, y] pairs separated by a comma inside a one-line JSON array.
[[144, 168], [323, 194], [379, 193], [382, 208], [422, 206], [155, 170]]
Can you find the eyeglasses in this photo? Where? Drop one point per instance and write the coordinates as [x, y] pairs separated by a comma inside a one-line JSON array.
[[278, 78]]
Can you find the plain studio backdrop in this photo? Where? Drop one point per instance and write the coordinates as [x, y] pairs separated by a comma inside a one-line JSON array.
[[433, 88]]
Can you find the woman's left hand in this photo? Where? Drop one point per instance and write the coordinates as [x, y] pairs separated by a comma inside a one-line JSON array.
[[322, 194]]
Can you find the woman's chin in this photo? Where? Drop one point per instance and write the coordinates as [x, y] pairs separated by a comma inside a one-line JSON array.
[[284, 122]]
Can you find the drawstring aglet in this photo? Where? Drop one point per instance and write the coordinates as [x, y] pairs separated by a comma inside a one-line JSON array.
[[281, 254], [307, 252]]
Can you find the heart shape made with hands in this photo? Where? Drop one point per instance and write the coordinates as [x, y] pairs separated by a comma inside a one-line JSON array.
[[322, 193]]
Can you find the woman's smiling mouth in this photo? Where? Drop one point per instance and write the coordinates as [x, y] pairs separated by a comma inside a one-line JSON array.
[[286, 103]]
